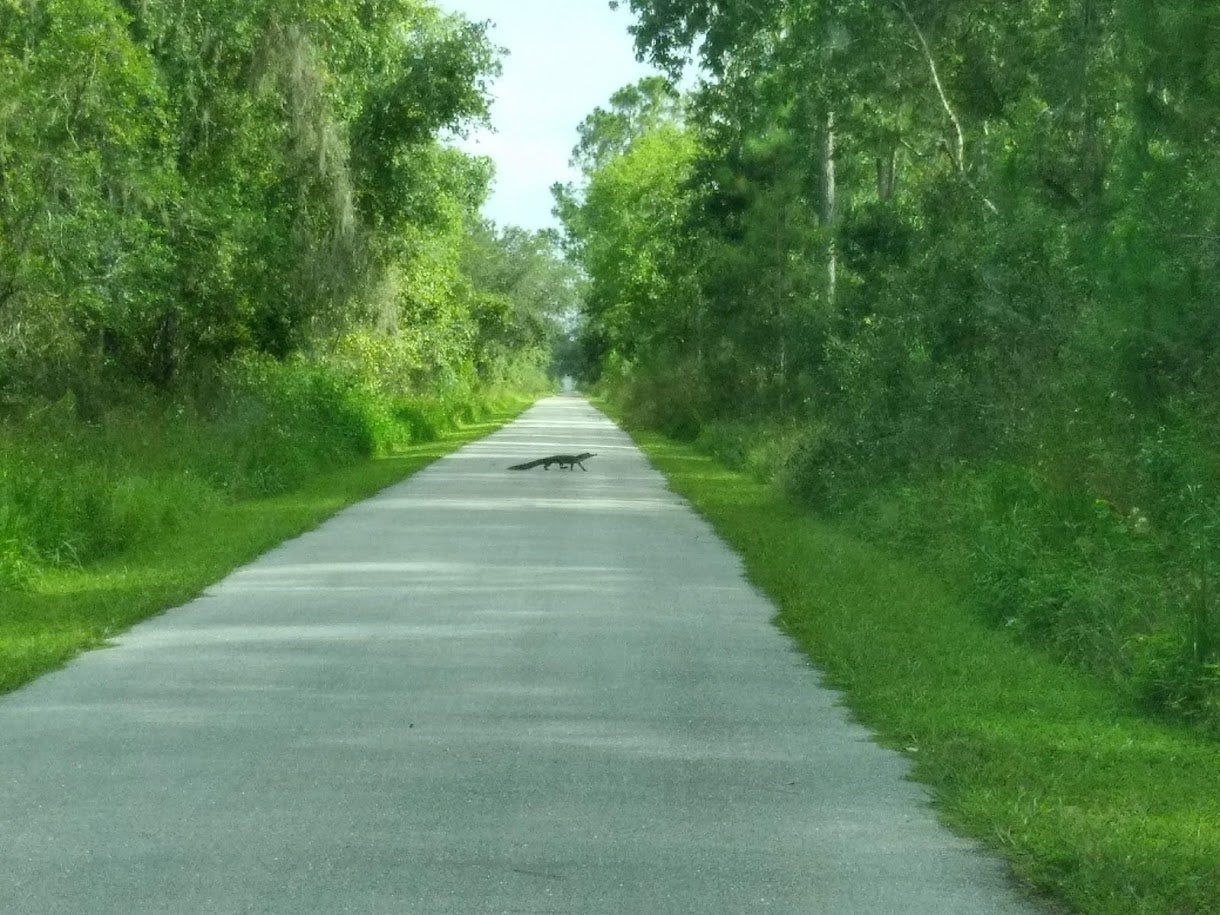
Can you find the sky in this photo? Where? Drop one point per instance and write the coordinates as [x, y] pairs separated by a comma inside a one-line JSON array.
[[565, 57]]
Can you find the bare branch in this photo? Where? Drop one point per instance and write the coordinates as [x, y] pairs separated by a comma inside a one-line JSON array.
[[960, 157]]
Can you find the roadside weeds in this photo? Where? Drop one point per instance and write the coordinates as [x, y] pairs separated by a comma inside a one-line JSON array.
[[69, 610], [1093, 805]]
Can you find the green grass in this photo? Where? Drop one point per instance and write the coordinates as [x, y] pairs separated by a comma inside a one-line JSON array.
[[1093, 805], [67, 610]]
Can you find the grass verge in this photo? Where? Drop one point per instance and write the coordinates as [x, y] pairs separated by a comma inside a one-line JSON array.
[[1093, 805], [68, 610]]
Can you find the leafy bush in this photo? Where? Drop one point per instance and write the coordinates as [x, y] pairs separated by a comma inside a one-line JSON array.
[[1167, 676], [16, 565], [1108, 590], [1126, 591], [672, 399], [830, 470], [425, 420], [74, 492], [761, 450], [77, 499], [281, 422]]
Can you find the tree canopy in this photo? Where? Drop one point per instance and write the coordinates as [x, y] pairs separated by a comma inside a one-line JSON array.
[[931, 236], [183, 183], [919, 203]]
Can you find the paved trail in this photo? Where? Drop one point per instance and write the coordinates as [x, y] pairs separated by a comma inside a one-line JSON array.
[[479, 691]]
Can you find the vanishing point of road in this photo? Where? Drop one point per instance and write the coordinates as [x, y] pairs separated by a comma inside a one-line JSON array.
[[478, 691]]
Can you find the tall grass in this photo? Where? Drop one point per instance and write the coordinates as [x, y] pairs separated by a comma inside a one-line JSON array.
[[73, 492], [1098, 545], [1092, 803], [1110, 590]]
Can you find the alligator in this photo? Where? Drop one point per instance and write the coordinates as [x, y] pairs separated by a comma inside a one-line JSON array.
[[570, 461]]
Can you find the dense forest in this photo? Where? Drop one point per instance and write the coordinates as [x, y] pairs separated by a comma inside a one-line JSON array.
[[237, 247], [947, 272]]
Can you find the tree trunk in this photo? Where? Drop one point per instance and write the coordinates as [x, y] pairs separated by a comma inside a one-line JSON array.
[[1092, 166], [887, 173], [164, 356], [827, 213]]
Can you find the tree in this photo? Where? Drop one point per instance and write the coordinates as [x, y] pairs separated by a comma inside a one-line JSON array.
[[182, 184], [625, 225], [524, 294], [84, 178]]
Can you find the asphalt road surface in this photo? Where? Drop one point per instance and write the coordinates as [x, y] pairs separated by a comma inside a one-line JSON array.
[[479, 691]]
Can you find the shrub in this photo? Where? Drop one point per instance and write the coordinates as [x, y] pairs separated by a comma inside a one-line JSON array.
[[830, 471], [761, 450], [1126, 591], [1108, 590], [282, 422], [73, 492], [1167, 676], [80, 505], [672, 399], [16, 564], [424, 421]]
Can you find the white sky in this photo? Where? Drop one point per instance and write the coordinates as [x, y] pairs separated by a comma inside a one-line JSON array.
[[565, 57]]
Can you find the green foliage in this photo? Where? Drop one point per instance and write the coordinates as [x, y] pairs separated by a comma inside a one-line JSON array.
[[1092, 804], [181, 188], [969, 256], [235, 254], [289, 420], [760, 451], [523, 294], [428, 76], [73, 494], [674, 402], [625, 227], [87, 172], [61, 611]]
